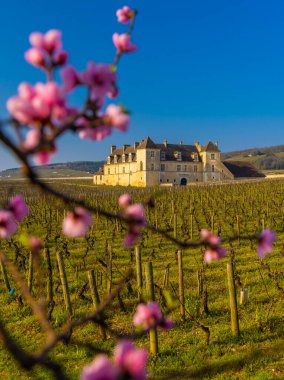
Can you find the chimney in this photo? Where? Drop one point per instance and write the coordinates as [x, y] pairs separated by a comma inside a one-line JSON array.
[[216, 143], [136, 144], [112, 149], [181, 142], [165, 143], [125, 147]]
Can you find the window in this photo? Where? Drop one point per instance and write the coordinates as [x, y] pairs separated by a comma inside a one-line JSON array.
[[163, 155], [174, 180], [108, 171], [178, 155], [152, 167], [179, 168], [212, 156], [161, 180], [195, 169], [213, 168], [185, 168], [152, 153], [141, 166], [123, 170], [167, 180], [195, 157], [163, 166]]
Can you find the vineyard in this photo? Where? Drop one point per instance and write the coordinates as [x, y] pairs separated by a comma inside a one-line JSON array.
[[75, 274]]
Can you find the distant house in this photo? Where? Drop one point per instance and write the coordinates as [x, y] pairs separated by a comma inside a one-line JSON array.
[[146, 163]]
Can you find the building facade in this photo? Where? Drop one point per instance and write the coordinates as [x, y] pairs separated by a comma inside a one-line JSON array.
[[148, 164]]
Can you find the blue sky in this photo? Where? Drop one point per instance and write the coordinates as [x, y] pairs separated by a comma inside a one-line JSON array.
[[204, 70]]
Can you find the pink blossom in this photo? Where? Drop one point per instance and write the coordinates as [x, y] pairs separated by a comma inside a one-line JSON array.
[[123, 43], [214, 251], [37, 39], [60, 58], [21, 109], [209, 237], [118, 118], [265, 243], [49, 41], [70, 78], [38, 103], [52, 40], [125, 14], [214, 254], [100, 369], [77, 222], [8, 225], [125, 200], [135, 215], [18, 207], [26, 91], [97, 133], [131, 361], [32, 139], [35, 57], [149, 315], [100, 78], [44, 156], [36, 244]]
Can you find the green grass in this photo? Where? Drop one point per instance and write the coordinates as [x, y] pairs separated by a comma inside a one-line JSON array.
[[256, 354]]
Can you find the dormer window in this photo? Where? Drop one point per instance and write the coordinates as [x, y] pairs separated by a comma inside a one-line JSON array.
[[115, 159], [108, 160], [178, 156], [195, 156], [130, 157], [123, 158], [163, 155]]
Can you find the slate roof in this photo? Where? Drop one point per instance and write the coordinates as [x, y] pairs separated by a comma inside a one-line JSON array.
[[210, 147], [242, 169], [147, 144], [170, 150]]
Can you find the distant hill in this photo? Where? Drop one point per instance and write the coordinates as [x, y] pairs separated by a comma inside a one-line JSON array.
[[68, 169], [268, 158]]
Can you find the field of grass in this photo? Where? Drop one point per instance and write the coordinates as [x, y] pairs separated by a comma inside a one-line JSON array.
[[184, 352]]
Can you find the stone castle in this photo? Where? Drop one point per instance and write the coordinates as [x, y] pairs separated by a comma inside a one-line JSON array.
[[148, 164]]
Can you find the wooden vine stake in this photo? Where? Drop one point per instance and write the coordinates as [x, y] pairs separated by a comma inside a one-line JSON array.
[[139, 271], [151, 297], [175, 226], [191, 227], [233, 299], [244, 296], [96, 298], [49, 288], [181, 285], [238, 228], [5, 276], [109, 271], [166, 276], [64, 283]]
